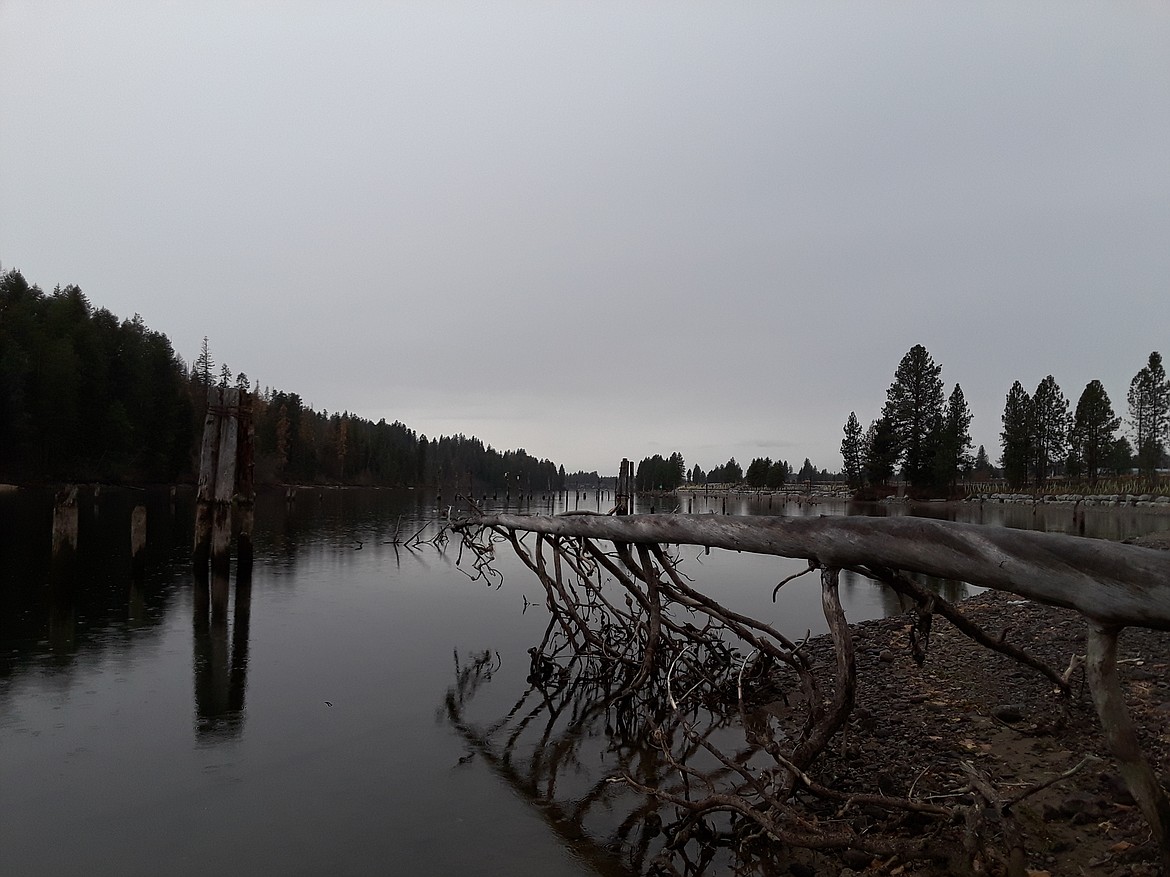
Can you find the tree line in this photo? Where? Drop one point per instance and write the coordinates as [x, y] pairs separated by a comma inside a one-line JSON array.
[[928, 440], [659, 473], [1042, 439], [86, 396]]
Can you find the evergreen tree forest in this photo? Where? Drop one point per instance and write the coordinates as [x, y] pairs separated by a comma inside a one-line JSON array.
[[85, 396], [658, 473], [1042, 436], [1042, 439]]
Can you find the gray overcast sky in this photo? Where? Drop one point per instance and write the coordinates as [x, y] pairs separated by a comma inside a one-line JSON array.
[[597, 230]]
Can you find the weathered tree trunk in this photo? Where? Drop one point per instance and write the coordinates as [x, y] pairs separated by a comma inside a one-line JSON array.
[[1109, 582]]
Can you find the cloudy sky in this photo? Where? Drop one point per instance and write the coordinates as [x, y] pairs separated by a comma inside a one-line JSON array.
[[597, 230]]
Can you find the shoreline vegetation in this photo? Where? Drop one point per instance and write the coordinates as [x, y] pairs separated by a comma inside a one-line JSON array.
[[1157, 498], [88, 398]]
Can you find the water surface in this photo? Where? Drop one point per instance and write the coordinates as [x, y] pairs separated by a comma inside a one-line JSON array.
[[361, 708]]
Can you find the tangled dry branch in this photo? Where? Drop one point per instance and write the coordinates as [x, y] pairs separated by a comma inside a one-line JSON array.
[[685, 663]]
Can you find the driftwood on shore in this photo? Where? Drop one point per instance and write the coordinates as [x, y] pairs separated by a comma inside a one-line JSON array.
[[660, 632]]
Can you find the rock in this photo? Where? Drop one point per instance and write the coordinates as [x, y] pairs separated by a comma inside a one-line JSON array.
[[856, 859], [1114, 786], [1009, 712], [886, 656], [799, 869], [1051, 813]]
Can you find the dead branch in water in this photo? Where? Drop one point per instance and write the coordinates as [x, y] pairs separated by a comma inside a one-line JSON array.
[[672, 638]]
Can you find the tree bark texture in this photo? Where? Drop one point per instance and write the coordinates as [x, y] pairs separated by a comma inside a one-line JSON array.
[[1111, 583]]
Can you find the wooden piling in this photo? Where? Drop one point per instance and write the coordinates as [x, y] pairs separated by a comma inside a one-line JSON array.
[[138, 542], [246, 475], [206, 488], [623, 494], [65, 522], [226, 475], [225, 483]]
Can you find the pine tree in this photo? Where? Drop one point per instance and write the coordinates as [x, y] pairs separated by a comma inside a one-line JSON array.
[[204, 365], [732, 472], [851, 451], [914, 411], [982, 468], [808, 472], [952, 456], [1149, 412], [778, 473], [757, 472], [1016, 436], [1121, 457], [1049, 429], [881, 452], [1092, 437]]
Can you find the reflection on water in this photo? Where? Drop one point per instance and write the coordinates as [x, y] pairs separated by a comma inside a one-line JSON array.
[[220, 656], [565, 744], [312, 685], [893, 603]]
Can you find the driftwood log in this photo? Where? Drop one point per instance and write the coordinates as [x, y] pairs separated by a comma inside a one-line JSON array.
[[638, 638]]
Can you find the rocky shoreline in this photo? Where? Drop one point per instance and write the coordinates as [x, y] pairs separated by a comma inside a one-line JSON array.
[[1107, 500], [912, 726]]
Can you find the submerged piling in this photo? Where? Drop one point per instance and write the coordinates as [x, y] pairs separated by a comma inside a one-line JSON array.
[[65, 522], [138, 543]]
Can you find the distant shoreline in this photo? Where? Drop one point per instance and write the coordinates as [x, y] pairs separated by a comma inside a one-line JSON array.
[[1150, 502]]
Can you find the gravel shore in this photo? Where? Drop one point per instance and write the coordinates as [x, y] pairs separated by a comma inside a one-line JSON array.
[[913, 725]]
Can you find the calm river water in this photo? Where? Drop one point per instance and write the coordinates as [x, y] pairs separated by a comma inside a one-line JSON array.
[[363, 709]]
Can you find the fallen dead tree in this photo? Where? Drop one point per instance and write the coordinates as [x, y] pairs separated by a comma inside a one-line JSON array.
[[633, 610]]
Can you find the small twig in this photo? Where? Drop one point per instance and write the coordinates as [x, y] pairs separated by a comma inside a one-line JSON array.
[[1037, 787], [812, 566]]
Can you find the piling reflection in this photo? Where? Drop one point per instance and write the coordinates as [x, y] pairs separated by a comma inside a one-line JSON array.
[[565, 744], [220, 656]]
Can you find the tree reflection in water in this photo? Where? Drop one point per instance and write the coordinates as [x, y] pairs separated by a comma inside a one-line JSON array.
[[568, 740], [666, 733]]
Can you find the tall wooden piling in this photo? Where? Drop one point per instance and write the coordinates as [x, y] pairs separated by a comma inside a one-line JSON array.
[[206, 487], [625, 488], [225, 474], [246, 479], [225, 483]]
